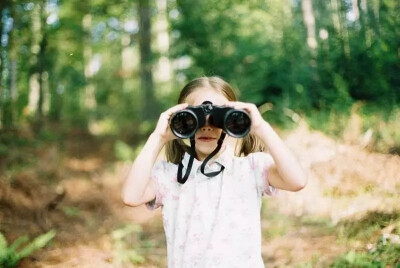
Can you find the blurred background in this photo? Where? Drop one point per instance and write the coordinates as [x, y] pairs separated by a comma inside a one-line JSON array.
[[82, 84]]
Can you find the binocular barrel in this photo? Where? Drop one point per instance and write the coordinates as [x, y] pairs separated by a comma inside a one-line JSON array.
[[185, 123]]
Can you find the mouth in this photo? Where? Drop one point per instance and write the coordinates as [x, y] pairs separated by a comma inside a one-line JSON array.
[[206, 139]]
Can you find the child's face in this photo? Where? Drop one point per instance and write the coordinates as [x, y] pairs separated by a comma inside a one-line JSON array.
[[207, 136]]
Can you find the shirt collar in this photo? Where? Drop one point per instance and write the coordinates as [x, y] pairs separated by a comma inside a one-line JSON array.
[[224, 158]]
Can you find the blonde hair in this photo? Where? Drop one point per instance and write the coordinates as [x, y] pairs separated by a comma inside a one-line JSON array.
[[176, 148]]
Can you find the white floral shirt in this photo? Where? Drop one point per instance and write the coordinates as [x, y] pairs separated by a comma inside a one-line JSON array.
[[214, 222]]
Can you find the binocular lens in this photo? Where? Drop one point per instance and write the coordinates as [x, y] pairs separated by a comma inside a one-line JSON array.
[[184, 124], [237, 124]]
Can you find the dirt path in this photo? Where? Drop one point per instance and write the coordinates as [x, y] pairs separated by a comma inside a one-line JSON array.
[[345, 182]]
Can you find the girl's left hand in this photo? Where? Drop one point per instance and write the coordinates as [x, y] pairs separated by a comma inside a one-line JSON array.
[[256, 119]]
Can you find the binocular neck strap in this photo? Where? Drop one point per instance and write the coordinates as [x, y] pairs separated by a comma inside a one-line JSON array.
[[216, 150], [183, 179], [190, 163]]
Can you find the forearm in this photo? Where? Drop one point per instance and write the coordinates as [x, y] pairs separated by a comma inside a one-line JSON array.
[[291, 175], [139, 175]]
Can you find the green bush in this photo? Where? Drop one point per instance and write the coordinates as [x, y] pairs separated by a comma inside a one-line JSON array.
[[11, 255], [122, 151], [385, 253], [124, 254]]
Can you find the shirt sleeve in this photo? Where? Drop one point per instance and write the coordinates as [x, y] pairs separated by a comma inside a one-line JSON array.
[[158, 175], [261, 163]]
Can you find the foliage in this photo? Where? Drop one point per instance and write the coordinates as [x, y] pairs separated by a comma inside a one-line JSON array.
[[332, 122], [268, 60], [384, 125], [123, 253], [123, 152], [11, 255], [368, 225], [385, 253], [71, 211], [78, 62]]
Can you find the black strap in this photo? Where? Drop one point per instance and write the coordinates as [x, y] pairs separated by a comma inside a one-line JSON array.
[[216, 150], [192, 153], [189, 167]]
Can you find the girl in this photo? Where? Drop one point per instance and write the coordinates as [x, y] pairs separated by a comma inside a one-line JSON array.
[[212, 222]]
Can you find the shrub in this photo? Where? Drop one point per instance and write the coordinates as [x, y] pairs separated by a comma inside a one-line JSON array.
[[11, 255]]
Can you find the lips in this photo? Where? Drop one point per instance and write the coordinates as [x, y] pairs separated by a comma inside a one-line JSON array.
[[206, 139]]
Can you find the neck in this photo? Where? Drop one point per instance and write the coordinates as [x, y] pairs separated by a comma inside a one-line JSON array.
[[201, 157]]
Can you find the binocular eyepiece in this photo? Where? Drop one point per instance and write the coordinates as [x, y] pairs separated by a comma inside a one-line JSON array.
[[185, 123]]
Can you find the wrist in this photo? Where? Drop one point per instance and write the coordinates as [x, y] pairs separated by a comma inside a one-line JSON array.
[[261, 129], [264, 132], [157, 139]]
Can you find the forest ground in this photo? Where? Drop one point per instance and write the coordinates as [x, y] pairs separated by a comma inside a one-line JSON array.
[[74, 186]]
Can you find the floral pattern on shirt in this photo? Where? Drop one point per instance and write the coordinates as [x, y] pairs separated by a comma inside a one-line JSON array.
[[214, 222]]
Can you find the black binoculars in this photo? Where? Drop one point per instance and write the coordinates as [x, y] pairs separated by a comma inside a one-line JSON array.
[[185, 123]]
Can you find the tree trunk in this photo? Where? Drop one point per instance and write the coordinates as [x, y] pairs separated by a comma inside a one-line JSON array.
[[6, 100], [34, 49], [340, 27], [149, 109], [373, 17], [309, 21], [13, 67], [89, 94], [163, 72], [335, 16], [42, 60], [362, 6], [2, 6], [343, 29], [356, 11]]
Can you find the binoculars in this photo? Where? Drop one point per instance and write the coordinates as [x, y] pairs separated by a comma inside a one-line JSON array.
[[185, 123]]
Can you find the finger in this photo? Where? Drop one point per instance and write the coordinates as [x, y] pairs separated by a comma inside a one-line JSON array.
[[233, 104], [168, 113], [176, 108], [241, 105], [229, 104]]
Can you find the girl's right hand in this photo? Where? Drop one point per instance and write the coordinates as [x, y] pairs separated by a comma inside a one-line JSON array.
[[163, 129]]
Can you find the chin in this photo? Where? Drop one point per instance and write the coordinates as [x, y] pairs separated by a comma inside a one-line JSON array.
[[207, 147], [204, 152]]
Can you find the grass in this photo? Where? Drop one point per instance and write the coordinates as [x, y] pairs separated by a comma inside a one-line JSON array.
[[375, 127], [368, 226], [362, 239], [385, 253], [338, 192], [385, 125], [374, 240]]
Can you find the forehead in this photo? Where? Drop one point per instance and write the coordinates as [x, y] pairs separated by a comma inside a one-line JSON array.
[[201, 95]]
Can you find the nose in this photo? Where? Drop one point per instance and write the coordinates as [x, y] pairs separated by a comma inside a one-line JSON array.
[[207, 126]]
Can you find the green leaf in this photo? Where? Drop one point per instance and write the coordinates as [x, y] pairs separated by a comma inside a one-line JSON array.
[[36, 244], [3, 242], [351, 257], [18, 242]]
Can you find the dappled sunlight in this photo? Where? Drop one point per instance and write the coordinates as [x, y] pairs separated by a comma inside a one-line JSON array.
[[347, 183], [86, 165], [82, 84]]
